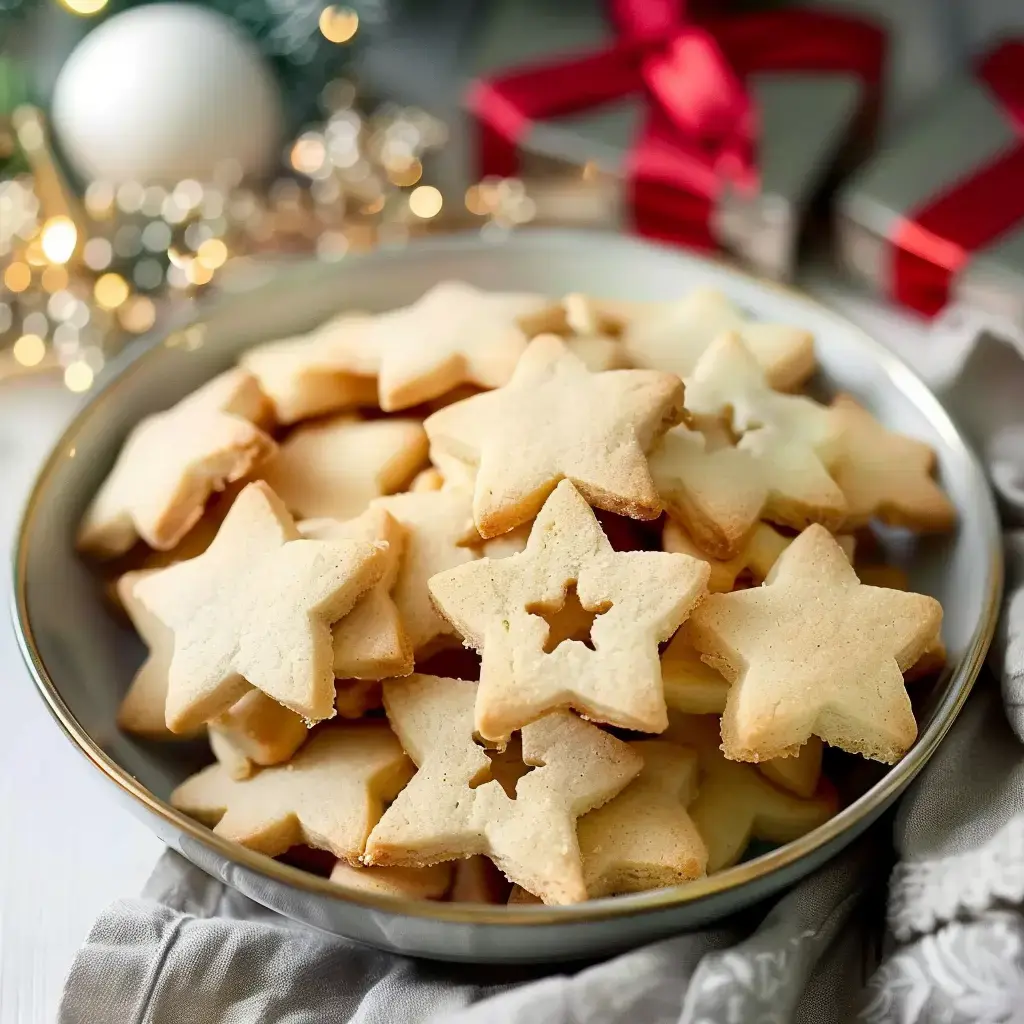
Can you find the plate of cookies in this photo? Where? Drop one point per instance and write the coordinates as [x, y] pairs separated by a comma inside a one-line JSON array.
[[509, 601]]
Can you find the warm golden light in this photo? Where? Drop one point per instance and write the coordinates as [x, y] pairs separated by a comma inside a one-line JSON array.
[[425, 201], [97, 253], [213, 253], [54, 279], [17, 277], [86, 8], [406, 173], [138, 314], [308, 154], [29, 350], [59, 238], [198, 273], [78, 376], [338, 24], [111, 290]]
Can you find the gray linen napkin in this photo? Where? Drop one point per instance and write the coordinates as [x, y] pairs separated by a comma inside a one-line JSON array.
[[950, 947]]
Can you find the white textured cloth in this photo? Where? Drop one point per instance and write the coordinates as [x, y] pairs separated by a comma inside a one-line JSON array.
[[950, 948]]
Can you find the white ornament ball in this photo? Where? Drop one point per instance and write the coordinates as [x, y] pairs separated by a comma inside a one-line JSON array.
[[166, 92]]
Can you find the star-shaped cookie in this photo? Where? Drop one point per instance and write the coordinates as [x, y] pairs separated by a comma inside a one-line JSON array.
[[329, 796], [439, 535], [814, 652], [672, 336], [886, 475], [791, 438], [735, 803], [430, 883], [255, 730], [451, 810], [555, 420], [505, 608], [644, 839], [307, 376], [334, 468], [172, 462], [454, 334], [256, 608], [370, 642]]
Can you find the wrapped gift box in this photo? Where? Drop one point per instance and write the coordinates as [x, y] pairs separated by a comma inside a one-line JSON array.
[[716, 133], [936, 222]]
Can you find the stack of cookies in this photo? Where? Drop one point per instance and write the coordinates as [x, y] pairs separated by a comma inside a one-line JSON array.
[[495, 598]]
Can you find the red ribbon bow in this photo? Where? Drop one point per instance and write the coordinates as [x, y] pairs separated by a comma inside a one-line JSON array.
[[937, 240], [700, 131]]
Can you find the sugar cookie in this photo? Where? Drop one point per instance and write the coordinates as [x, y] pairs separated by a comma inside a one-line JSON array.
[[172, 462], [643, 838], [798, 774], [814, 652], [506, 609], [690, 686], [354, 697], [429, 883], [256, 608], [735, 803], [334, 468], [556, 420], [455, 334], [672, 336], [451, 810], [329, 796], [886, 475], [370, 642], [790, 437], [258, 730], [307, 376], [477, 880]]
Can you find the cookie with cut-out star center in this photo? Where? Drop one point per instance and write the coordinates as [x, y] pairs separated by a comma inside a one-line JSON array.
[[555, 420], [506, 609], [815, 652], [790, 438], [644, 838], [256, 609], [334, 468], [454, 334], [735, 803], [370, 642], [885, 475], [308, 376], [172, 462], [454, 806], [329, 796], [672, 336]]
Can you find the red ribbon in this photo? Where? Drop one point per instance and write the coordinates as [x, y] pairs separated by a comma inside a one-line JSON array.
[[700, 131], [936, 241]]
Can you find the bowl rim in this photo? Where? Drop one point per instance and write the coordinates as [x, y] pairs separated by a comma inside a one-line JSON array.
[[961, 680]]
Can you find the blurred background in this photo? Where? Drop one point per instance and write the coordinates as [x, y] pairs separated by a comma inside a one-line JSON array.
[[153, 152]]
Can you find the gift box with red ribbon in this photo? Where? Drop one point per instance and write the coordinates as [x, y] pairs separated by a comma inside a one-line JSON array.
[[712, 130], [939, 218]]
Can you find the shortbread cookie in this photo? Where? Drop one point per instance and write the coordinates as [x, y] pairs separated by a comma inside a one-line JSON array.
[[354, 697], [256, 608], [814, 652], [142, 707], [429, 479], [672, 336], [477, 880], [307, 376], [454, 808], [455, 334], [235, 764], [334, 468], [586, 333], [690, 686], [439, 532], [735, 803], [329, 796], [370, 642], [506, 609], [555, 420], [759, 553], [429, 883], [644, 839], [885, 475], [172, 462], [258, 730], [799, 774], [791, 438]]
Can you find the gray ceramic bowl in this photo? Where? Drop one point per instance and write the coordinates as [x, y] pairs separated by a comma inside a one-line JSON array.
[[82, 658]]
